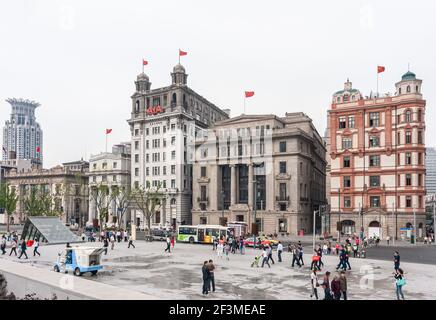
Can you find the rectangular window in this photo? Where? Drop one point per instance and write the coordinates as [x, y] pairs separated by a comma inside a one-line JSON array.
[[282, 167], [374, 141], [173, 155], [136, 145], [374, 181], [408, 201], [374, 119], [420, 202], [173, 141], [173, 126], [408, 179], [408, 137], [420, 158], [374, 201], [347, 202], [136, 158], [346, 161], [351, 122], [342, 122], [173, 169], [173, 183], [347, 143], [420, 137], [282, 146], [203, 172], [347, 181], [136, 172], [408, 158], [419, 180], [147, 171], [374, 161], [114, 165]]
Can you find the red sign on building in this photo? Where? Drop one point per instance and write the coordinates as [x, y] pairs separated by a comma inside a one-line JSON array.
[[154, 110]]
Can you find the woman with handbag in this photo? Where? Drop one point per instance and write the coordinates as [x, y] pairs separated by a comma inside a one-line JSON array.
[[400, 281], [314, 283]]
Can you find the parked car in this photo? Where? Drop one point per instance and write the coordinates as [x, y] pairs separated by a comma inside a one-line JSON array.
[[160, 235], [261, 240]]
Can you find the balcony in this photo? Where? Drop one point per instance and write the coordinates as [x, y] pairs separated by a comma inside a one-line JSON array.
[[203, 200], [282, 198], [304, 199]]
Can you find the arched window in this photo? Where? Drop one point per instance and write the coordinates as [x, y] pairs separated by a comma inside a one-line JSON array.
[[374, 224], [353, 97], [339, 99], [185, 105], [408, 116], [408, 225], [174, 99], [137, 106], [399, 91], [173, 201], [408, 89]]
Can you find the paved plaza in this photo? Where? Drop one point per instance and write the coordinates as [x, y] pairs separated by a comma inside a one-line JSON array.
[[149, 270]]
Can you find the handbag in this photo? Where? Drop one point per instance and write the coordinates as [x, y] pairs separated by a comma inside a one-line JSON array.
[[401, 282]]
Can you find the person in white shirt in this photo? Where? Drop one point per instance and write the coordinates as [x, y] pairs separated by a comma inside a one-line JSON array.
[[265, 258], [279, 251], [314, 283], [168, 245], [35, 248]]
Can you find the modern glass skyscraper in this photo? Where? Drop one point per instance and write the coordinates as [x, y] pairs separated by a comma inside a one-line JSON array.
[[430, 163], [22, 135]]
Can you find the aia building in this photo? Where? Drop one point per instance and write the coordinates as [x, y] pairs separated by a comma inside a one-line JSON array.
[[377, 150], [163, 122]]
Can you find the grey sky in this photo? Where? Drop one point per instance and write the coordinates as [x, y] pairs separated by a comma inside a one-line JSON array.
[[79, 58]]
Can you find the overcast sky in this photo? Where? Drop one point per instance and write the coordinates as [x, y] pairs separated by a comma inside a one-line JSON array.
[[79, 58]]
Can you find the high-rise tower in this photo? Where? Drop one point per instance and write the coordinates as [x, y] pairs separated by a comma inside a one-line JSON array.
[[22, 135]]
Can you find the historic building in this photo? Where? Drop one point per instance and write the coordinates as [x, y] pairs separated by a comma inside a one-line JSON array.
[[377, 155], [260, 165], [22, 135], [113, 170], [162, 122], [67, 184]]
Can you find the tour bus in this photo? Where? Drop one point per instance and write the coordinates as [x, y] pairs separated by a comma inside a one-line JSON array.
[[202, 233]]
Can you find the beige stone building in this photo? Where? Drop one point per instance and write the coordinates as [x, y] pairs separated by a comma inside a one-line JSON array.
[[68, 185], [264, 165]]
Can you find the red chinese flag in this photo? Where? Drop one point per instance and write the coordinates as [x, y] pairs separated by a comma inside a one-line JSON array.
[[249, 94], [182, 53], [108, 131], [38, 149], [144, 62], [380, 69]]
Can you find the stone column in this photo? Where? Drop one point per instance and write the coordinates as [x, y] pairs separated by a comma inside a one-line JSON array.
[[233, 184], [250, 185]]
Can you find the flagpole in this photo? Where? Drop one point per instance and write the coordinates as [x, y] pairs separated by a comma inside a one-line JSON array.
[[179, 55], [245, 98], [106, 143], [377, 84], [143, 65]]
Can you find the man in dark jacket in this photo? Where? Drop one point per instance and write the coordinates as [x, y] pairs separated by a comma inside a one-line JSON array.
[[211, 268], [23, 248], [206, 278], [336, 288], [343, 284], [396, 260]]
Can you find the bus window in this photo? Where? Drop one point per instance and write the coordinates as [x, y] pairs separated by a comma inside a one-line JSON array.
[[187, 230], [209, 232]]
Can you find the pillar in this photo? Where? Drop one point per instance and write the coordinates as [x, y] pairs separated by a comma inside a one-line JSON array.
[[250, 185], [233, 184]]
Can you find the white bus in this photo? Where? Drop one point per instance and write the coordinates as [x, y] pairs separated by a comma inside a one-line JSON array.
[[202, 233]]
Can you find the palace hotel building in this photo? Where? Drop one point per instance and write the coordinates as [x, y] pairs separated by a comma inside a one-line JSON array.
[[377, 151]]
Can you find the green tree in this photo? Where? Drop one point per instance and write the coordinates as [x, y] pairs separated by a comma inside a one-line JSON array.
[[122, 197], [8, 201], [148, 200], [32, 203], [101, 196]]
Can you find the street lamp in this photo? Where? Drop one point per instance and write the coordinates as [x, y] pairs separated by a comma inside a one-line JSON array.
[[314, 226], [222, 206], [254, 213], [339, 225]]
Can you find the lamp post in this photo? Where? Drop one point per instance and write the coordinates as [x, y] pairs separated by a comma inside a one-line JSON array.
[[393, 212], [414, 225], [254, 211], [434, 222], [222, 206], [314, 226], [339, 225]]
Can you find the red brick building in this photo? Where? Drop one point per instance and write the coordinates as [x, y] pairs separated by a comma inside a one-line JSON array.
[[376, 149]]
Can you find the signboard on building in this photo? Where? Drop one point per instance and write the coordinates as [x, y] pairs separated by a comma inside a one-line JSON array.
[[154, 110]]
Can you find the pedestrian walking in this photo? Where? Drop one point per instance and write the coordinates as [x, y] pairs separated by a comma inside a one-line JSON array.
[[23, 248], [265, 258], [295, 256], [279, 251], [112, 238], [270, 253], [315, 259], [388, 239], [211, 267], [126, 236], [105, 245], [326, 286], [3, 245], [336, 288], [400, 281], [314, 284], [300, 254], [131, 242], [227, 250], [172, 241], [35, 248], [355, 250], [168, 248], [14, 245], [206, 273], [241, 245], [341, 264], [347, 260], [320, 263], [220, 249], [396, 260], [343, 285]]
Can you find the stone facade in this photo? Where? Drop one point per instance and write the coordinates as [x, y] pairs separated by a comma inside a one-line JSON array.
[[266, 165], [377, 154], [68, 184], [111, 169]]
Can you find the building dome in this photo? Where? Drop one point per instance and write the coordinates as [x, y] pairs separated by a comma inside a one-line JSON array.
[[408, 76], [142, 76], [179, 69]]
